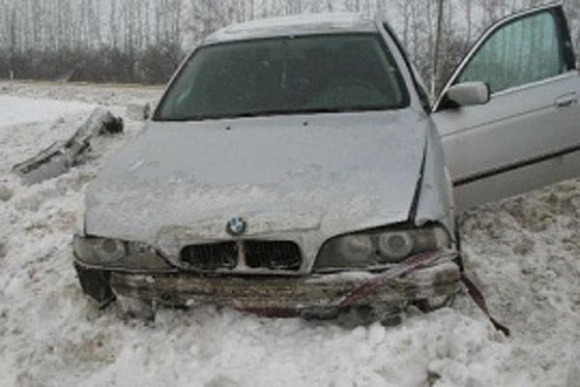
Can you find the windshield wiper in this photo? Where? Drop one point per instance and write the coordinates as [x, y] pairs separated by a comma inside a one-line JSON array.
[[184, 119], [233, 115], [276, 112], [285, 112]]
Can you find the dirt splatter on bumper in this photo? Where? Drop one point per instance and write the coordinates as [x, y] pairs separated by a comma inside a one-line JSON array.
[[428, 276]]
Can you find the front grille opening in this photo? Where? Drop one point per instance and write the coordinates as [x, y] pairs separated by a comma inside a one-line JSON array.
[[273, 255], [211, 257]]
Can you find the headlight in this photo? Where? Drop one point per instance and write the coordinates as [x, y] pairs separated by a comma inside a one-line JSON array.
[[114, 253], [378, 248], [396, 245]]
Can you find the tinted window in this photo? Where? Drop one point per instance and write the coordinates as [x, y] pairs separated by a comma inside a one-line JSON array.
[[286, 76], [523, 51]]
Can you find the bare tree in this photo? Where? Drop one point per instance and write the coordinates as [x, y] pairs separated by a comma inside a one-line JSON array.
[[435, 32]]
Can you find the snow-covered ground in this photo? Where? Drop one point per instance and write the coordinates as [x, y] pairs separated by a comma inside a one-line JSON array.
[[524, 253]]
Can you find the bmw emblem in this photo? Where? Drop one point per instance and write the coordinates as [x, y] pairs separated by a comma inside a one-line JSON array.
[[236, 226]]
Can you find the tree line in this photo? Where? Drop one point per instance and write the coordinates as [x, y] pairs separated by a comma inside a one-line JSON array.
[[144, 40]]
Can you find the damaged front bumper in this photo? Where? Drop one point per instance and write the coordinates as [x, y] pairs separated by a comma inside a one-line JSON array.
[[427, 276]]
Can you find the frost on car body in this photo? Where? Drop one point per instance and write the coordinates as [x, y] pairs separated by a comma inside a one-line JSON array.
[[291, 166]]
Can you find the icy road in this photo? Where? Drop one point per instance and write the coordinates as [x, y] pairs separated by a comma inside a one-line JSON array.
[[524, 252]]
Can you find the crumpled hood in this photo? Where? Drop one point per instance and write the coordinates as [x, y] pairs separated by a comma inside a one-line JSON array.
[[333, 173]]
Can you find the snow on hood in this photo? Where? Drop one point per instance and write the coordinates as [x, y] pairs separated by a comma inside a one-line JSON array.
[[331, 173]]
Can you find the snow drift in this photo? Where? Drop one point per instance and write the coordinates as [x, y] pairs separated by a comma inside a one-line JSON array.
[[524, 253]]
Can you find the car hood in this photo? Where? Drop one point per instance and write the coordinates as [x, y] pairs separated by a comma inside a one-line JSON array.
[[333, 173]]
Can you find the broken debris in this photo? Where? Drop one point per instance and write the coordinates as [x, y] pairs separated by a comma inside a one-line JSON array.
[[60, 157]]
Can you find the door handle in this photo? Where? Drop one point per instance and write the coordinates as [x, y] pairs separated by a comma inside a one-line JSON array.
[[567, 100]]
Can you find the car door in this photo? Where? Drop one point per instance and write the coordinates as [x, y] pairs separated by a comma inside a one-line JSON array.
[[528, 134]]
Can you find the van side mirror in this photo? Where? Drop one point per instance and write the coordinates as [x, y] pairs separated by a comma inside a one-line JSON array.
[[469, 93]]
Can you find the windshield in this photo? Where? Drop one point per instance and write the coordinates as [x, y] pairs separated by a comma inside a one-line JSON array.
[[313, 74]]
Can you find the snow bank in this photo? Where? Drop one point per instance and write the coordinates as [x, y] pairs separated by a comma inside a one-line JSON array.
[[524, 252], [15, 111]]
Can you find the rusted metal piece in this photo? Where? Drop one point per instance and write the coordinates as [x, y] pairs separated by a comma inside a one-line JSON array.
[[302, 294], [61, 156]]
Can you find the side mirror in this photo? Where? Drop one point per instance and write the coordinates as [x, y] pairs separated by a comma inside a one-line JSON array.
[[469, 93], [147, 112]]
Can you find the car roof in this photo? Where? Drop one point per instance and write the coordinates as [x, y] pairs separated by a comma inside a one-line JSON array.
[[322, 23]]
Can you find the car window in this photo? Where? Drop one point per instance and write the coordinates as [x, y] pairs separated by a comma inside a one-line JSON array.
[[524, 51], [319, 73]]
